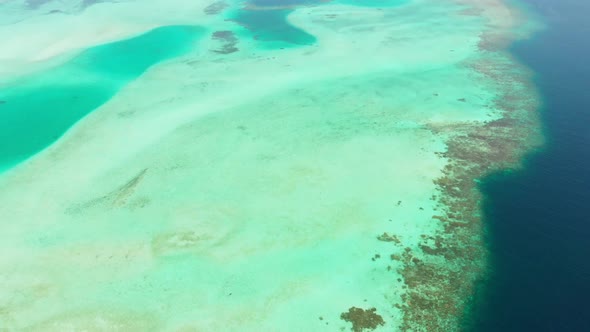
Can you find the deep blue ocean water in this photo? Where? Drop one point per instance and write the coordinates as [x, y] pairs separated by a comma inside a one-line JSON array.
[[538, 219]]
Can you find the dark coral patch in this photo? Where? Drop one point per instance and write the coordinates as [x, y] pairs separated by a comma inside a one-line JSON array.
[[362, 319], [215, 8], [229, 40], [388, 238]]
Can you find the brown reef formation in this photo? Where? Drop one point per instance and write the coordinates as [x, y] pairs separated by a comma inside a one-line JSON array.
[[362, 319], [441, 282]]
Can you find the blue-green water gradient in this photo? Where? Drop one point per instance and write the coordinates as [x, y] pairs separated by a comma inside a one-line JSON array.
[[538, 219], [35, 111]]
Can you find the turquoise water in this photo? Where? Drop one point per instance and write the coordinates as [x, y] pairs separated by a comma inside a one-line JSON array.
[[37, 110], [277, 195]]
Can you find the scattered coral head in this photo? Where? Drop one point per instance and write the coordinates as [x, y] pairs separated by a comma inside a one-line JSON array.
[[362, 319]]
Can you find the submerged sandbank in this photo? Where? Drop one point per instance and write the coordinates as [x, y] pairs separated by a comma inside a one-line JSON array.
[[275, 189]]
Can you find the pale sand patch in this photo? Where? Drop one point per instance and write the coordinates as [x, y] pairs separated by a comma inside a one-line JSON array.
[[245, 192], [39, 39]]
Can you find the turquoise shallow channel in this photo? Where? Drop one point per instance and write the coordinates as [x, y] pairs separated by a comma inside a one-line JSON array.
[[37, 110]]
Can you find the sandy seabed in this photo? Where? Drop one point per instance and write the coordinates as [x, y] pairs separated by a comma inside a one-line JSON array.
[[268, 189]]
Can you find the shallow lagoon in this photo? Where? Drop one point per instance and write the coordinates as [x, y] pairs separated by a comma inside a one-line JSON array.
[[270, 188]]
